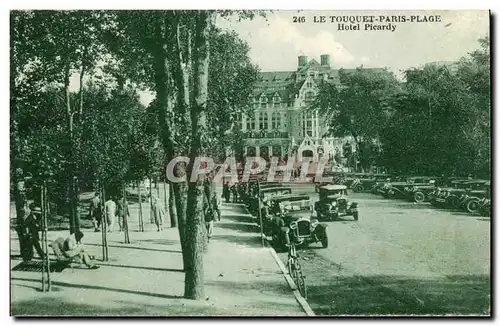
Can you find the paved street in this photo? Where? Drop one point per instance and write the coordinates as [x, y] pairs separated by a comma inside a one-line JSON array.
[[400, 258]]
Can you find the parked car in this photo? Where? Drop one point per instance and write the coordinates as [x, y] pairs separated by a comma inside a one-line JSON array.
[[485, 207], [478, 190], [273, 208], [421, 193], [296, 223], [401, 189], [368, 183], [333, 203]]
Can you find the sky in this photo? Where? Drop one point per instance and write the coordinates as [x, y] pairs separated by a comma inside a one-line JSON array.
[[275, 44], [276, 41]]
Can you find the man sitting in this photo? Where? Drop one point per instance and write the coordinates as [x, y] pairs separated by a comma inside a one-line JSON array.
[[71, 249]]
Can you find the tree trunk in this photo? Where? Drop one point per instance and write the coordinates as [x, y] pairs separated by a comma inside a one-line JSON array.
[[20, 202], [141, 217], [71, 182], [164, 96], [194, 278], [171, 205]]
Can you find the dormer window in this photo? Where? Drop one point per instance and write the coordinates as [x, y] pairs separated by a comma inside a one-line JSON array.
[[309, 85], [276, 98], [263, 99]]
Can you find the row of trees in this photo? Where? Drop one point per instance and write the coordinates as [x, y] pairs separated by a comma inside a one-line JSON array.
[[102, 134], [438, 121]]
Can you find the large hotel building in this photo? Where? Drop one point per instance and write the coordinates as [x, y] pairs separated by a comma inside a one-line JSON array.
[[282, 125]]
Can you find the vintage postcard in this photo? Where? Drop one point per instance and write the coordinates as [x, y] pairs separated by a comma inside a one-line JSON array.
[[250, 163]]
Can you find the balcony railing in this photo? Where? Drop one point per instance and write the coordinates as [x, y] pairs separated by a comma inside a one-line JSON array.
[[266, 134]]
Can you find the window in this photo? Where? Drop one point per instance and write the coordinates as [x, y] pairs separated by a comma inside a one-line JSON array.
[[276, 120], [263, 121], [276, 98], [263, 99], [250, 123], [309, 85], [309, 96]]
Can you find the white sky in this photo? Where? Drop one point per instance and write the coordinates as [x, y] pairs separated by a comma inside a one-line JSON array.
[[276, 43]]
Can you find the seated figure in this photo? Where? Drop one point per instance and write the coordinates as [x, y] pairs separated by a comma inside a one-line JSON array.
[[71, 249]]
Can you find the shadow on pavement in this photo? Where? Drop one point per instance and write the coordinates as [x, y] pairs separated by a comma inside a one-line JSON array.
[[484, 219], [96, 287], [142, 267], [251, 241], [135, 248], [387, 295], [240, 218], [240, 227]]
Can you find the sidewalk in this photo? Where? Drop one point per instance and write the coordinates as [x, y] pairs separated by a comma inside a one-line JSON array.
[[145, 277]]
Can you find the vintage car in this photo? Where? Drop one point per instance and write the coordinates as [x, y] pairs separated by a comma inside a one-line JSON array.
[[273, 208], [463, 192], [298, 226], [401, 189], [329, 178], [448, 196], [421, 193], [368, 183], [333, 203], [264, 195], [471, 201]]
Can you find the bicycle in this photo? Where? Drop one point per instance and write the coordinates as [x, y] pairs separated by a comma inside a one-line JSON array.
[[295, 270]]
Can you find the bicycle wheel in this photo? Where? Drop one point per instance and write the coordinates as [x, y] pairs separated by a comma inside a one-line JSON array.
[[301, 283]]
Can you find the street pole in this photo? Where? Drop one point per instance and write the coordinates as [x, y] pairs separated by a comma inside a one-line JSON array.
[[104, 225], [125, 215], [45, 212], [260, 213], [42, 200]]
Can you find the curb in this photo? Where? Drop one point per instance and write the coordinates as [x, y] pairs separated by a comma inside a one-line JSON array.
[[302, 302]]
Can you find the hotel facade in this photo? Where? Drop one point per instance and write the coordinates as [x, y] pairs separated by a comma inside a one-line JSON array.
[[282, 125]]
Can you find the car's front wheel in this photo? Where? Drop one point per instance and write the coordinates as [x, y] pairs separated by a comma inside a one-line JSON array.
[[418, 197], [324, 240], [473, 206]]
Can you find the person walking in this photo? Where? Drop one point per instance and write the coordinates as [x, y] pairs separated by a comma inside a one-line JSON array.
[[110, 211], [209, 218], [122, 212], [95, 211], [158, 213], [225, 191], [33, 224]]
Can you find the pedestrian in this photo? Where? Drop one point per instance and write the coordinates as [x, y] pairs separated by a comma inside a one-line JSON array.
[[234, 192], [95, 211], [122, 212], [72, 249], [110, 210], [225, 191], [209, 218], [33, 224], [159, 213]]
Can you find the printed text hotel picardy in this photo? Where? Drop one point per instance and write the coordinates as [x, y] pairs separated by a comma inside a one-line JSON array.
[[367, 22]]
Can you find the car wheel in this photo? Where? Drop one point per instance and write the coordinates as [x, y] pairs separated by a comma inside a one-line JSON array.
[[355, 215], [359, 188], [418, 197], [334, 217], [453, 202], [473, 206], [391, 194], [324, 240]]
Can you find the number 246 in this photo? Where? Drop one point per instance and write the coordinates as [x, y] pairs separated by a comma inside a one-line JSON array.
[[299, 19]]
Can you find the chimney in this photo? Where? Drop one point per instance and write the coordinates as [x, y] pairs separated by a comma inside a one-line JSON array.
[[302, 60], [325, 60]]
